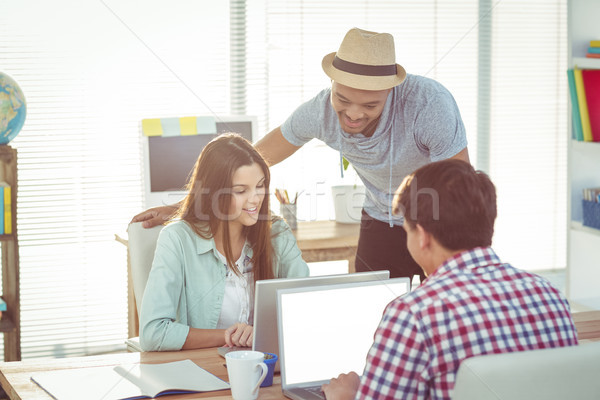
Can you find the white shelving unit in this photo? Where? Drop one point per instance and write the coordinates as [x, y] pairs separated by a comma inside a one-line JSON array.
[[583, 268]]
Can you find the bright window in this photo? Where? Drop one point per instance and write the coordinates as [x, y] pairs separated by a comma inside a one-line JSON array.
[[95, 69]]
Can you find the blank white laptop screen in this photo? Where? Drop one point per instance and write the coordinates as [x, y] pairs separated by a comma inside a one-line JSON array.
[[265, 302], [327, 330]]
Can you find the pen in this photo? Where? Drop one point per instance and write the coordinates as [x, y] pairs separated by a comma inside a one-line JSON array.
[[284, 198], [281, 196]]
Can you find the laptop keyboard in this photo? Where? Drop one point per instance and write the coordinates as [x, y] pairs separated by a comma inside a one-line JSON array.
[[316, 390]]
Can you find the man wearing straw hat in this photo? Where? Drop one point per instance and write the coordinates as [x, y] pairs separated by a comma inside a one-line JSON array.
[[386, 124], [383, 121]]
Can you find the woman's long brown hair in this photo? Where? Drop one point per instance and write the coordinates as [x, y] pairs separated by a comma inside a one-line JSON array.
[[206, 206]]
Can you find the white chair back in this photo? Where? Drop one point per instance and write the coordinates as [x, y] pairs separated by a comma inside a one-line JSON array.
[[142, 244], [549, 374]]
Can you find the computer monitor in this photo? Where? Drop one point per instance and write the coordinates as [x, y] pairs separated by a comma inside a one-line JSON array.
[[170, 150]]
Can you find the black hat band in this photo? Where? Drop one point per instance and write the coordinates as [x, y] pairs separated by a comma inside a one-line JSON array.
[[361, 69]]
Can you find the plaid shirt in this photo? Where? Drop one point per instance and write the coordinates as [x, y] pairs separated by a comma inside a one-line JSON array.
[[471, 305]]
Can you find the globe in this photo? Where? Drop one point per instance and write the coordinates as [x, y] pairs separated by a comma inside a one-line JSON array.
[[12, 109]]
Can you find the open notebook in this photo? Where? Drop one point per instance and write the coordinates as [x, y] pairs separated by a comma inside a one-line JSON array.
[[328, 330], [128, 381]]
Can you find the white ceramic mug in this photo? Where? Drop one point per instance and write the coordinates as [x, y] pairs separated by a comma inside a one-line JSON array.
[[246, 370]]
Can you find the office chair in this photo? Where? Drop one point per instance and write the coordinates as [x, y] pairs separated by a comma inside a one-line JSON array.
[[549, 374], [141, 245]]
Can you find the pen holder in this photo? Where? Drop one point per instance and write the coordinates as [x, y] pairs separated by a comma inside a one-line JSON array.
[[270, 360], [288, 212], [591, 214]]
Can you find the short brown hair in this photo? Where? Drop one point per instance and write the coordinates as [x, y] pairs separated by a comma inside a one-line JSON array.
[[453, 202]]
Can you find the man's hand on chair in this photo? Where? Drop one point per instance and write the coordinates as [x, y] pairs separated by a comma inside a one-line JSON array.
[[155, 216]]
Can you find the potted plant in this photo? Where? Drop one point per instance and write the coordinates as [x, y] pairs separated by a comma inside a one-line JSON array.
[[348, 199]]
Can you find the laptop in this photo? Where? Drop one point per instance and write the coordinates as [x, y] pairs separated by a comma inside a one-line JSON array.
[[328, 330], [265, 305]]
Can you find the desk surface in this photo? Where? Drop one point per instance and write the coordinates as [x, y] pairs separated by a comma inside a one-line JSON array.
[[588, 326], [312, 235], [328, 241], [15, 376]]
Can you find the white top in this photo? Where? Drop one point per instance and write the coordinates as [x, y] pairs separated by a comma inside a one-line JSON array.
[[238, 301]]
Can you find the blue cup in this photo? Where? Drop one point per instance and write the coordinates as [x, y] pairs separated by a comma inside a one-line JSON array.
[[270, 360]]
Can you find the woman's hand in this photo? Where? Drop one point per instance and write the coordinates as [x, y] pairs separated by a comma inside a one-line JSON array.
[[239, 335]]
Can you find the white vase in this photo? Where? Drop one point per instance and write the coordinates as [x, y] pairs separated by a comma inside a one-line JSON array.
[[348, 203]]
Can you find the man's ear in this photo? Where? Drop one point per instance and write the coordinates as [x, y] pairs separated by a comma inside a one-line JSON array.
[[424, 237]]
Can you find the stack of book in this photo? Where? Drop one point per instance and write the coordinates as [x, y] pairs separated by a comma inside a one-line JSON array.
[[584, 88], [594, 49], [592, 194], [5, 209]]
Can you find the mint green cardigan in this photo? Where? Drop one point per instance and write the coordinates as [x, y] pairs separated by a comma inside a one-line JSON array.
[[186, 284]]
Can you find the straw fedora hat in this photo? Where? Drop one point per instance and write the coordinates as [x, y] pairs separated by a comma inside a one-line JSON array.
[[365, 60]]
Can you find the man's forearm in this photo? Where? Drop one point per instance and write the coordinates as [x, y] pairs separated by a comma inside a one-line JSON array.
[[274, 147]]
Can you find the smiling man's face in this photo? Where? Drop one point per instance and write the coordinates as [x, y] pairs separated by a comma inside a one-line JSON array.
[[358, 110]]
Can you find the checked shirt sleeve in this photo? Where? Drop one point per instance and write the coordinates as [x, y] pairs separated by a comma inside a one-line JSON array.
[[398, 362]]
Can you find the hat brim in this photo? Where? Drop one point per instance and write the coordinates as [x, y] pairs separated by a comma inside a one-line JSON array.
[[363, 82]]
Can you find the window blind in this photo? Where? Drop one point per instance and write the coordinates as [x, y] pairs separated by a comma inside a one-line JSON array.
[[504, 63], [90, 74], [528, 131], [94, 71]]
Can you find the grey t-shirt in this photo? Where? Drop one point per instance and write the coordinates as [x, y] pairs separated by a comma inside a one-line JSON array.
[[420, 123]]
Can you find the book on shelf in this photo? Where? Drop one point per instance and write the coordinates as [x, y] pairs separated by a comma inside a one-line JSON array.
[[576, 117], [2, 208], [593, 50], [583, 109], [591, 84], [592, 194], [5, 209], [134, 381], [2, 305]]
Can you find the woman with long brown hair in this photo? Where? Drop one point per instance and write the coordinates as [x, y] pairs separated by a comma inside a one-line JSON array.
[[223, 239]]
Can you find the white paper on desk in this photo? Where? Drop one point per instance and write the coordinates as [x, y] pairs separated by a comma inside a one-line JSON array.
[[128, 381]]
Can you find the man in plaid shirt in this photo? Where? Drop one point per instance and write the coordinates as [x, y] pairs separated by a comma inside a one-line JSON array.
[[470, 304]]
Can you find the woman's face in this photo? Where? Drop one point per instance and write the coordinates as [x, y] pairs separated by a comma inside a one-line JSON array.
[[247, 194]]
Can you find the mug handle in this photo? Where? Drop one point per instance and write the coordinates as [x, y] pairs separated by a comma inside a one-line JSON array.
[[265, 369]]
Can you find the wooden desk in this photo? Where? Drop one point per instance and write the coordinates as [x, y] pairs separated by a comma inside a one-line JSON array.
[[16, 382], [15, 376], [588, 326], [328, 241]]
